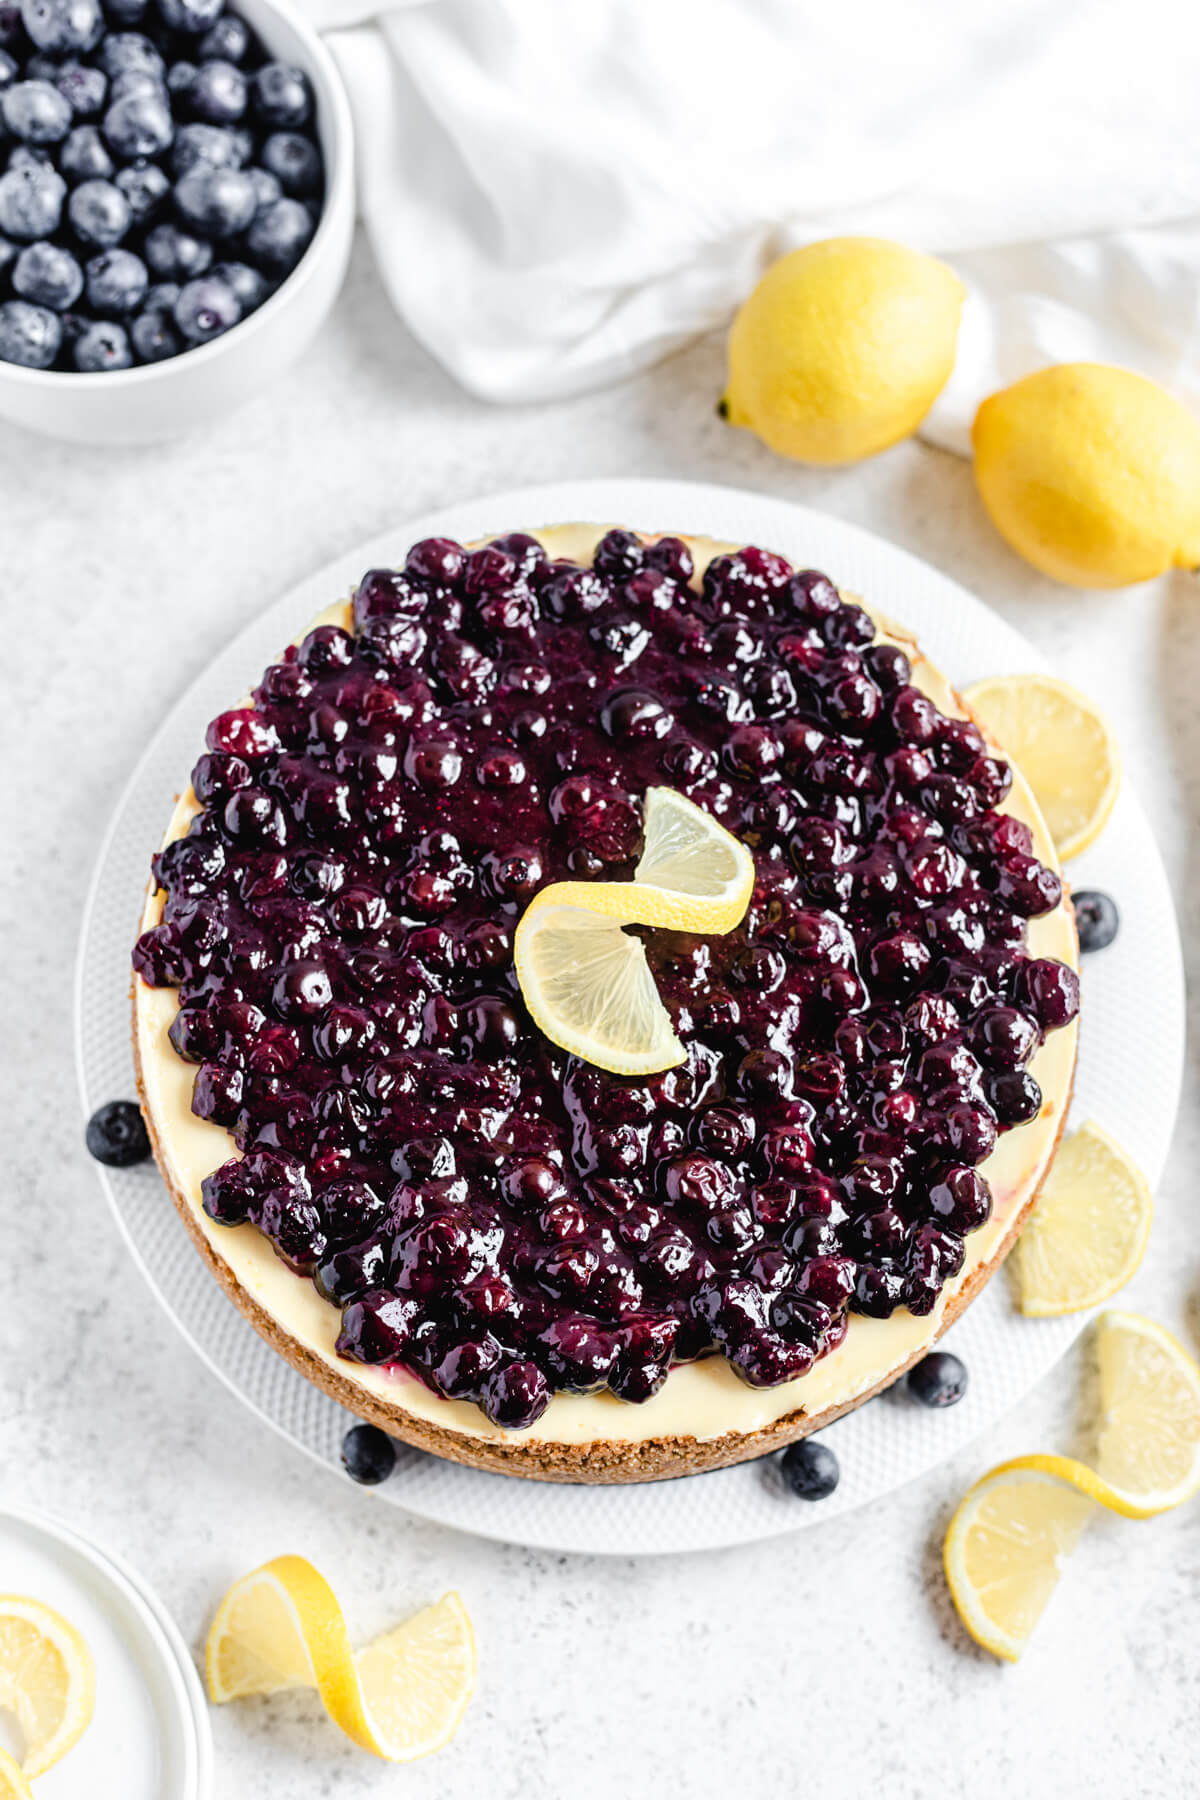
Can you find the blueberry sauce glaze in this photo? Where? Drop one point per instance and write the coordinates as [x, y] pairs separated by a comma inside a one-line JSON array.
[[503, 1220]]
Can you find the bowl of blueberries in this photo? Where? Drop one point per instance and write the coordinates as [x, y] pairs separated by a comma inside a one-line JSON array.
[[176, 209]]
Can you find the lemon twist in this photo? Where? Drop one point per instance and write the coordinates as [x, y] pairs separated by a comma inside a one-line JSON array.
[[401, 1697]]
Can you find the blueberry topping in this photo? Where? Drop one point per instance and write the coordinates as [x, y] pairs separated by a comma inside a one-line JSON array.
[[810, 1469], [1096, 919], [368, 1454], [116, 1135], [939, 1379]]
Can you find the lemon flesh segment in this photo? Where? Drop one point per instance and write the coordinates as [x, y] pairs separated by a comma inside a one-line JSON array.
[[1089, 1229], [13, 1785], [47, 1680], [1062, 744], [1004, 1552], [402, 1697], [417, 1680], [587, 984], [1149, 1450], [701, 876]]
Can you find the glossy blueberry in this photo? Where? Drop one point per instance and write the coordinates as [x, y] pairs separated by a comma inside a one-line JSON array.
[[180, 77], [35, 112], [139, 124], [217, 94], [99, 214], [153, 336], [215, 145], [810, 1469], [116, 283], [266, 187], [191, 16], [939, 1379], [102, 347], [279, 236], [228, 40], [31, 201], [116, 1135], [248, 286], [48, 275], [145, 187], [130, 52], [84, 155], [294, 161], [216, 202], [1096, 919], [29, 335], [368, 1454], [282, 96], [175, 255], [62, 26], [84, 88], [205, 308]]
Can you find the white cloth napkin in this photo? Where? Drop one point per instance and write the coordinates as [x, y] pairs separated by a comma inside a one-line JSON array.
[[561, 191]]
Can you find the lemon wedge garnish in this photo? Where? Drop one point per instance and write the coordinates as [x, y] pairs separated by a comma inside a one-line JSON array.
[[402, 1697], [1088, 1231], [46, 1679], [1149, 1453], [585, 981], [1005, 1549], [1062, 744], [13, 1785]]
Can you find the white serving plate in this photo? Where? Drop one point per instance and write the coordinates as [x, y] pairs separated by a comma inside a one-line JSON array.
[[149, 1738], [883, 1444]]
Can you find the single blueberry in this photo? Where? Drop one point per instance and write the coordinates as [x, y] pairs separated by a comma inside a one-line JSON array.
[[60, 26], [368, 1454], [226, 41], [282, 96], [205, 308], [192, 16], [102, 347], [48, 275], [266, 187], [249, 287], [116, 283], [176, 255], [31, 201], [35, 112], [161, 297], [84, 156], [116, 1135], [220, 202], [295, 161], [128, 51], [139, 124], [939, 1379], [153, 337], [145, 186], [218, 93], [180, 77], [99, 214], [810, 1469], [214, 145], [280, 235], [83, 88], [29, 335], [1096, 919]]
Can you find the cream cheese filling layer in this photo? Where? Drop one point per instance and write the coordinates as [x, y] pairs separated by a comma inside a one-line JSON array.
[[702, 1400]]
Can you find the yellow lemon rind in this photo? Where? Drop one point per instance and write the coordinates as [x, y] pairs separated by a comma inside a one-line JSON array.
[[984, 1630], [1035, 1306], [81, 1673]]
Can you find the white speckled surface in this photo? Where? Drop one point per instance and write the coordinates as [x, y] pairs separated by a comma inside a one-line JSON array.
[[832, 1656]]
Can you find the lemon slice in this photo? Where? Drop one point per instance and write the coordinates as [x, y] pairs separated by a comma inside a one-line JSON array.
[[46, 1679], [1004, 1552], [1062, 744], [13, 1785], [402, 1697], [587, 983], [694, 874], [1149, 1452], [1088, 1231]]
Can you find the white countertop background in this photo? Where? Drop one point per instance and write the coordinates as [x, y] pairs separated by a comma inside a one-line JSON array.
[[832, 1659]]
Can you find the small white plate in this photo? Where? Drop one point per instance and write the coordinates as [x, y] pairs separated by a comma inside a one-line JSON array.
[[881, 1445], [149, 1738]]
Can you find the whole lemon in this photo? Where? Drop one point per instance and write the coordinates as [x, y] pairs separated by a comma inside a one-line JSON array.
[[842, 348], [1092, 474]]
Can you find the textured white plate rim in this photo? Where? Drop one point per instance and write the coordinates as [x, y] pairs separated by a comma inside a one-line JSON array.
[[190, 1719], [674, 1517]]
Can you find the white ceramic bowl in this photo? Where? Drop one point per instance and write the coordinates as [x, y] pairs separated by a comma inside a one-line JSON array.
[[162, 400]]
